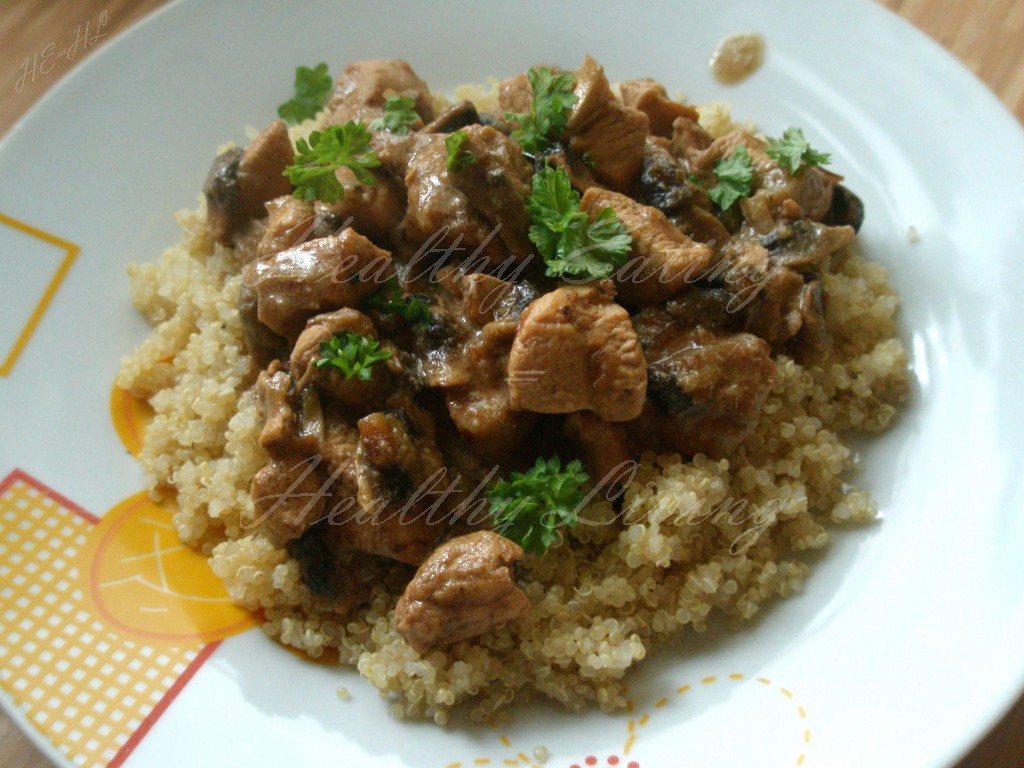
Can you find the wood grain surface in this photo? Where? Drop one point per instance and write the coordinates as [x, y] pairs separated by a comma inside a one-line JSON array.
[[38, 47]]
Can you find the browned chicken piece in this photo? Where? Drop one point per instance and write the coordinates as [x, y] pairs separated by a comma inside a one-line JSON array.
[[515, 94], [400, 474], [478, 210], [352, 392], [481, 296], [290, 221], [688, 138], [241, 181], [463, 589], [576, 350], [364, 86], [709, 386], [662, 259], [339, 446], [601, 128], [375, 210], [288, 495], [482, 408], [395, 150], [314, 277], [605, 446], [774, 309], [810, 188], [650, 97], [274, 404]]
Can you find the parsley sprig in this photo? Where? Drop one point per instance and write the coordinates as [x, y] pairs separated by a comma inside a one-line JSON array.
[[458, 157], [529, 507], [335, 147], [399, 114], [312, 87], [570, 242], [552, 99], [352, 354], [735, 174], [389, 300], [793, 151]]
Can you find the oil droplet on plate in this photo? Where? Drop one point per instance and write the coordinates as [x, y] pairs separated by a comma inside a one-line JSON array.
[[737, 56]]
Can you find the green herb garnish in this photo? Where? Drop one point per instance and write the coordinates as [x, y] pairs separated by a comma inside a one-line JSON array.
[[337, 146], [552, 98], [351, 354], [389, 300], [312, 87], [529, 507], [458, 158], [399, 114], [792, 151], [735, 175], [570, 242]]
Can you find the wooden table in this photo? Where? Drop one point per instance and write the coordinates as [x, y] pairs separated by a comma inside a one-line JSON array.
[[988, 37]]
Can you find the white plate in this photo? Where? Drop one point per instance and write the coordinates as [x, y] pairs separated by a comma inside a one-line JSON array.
[[906, 643]]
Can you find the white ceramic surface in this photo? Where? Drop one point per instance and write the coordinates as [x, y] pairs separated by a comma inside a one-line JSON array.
[[907, 641]]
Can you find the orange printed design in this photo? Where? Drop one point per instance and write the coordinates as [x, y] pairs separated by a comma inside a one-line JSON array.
[[89, 685], [634, 726], [146, 584], [130, 415], [70, 252]]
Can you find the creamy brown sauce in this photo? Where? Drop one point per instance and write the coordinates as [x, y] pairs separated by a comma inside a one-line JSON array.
[[737, 57]]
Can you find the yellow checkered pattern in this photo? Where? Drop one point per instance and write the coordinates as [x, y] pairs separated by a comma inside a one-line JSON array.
[[84, 687]]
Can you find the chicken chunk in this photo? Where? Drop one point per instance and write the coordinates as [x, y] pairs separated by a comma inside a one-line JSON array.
[[479, 209], [708, 386], [600, 127], [463, 589], [662, 259], [315, 276], [399, 471], [288, 495], [651, 98], [575, 349], [364, 86], [290, 221], [359, 395], [811, 188], [482, 408], [605, 446]]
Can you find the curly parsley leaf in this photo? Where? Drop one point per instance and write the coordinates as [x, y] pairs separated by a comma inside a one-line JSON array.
[[352, 354], [792, 151], [337, 146], [735, 175], [399, 114], [312, 87], [529, 507], [552, 99], [570, 242], [389, 300], [458, 158]]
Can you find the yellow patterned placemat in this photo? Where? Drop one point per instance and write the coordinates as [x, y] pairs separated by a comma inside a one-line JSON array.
[[102, 622]]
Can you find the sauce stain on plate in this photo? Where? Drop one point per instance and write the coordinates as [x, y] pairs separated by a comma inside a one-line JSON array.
[[737, 57]]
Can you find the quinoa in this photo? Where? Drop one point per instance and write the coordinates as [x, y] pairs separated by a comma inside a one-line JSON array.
[[694, 537]]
